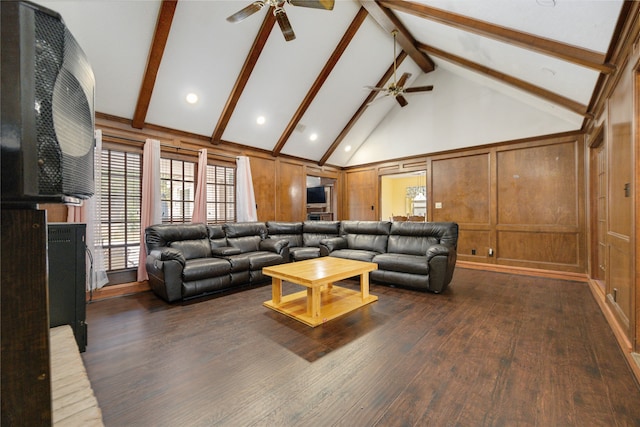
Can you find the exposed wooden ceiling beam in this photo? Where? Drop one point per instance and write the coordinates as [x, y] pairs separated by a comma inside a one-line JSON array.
[[243, 77], [584, 57], [354, 119], [322, 77], [562, 101], [163, 26], [389, 22]]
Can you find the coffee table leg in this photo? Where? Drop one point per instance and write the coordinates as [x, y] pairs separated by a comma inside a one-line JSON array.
[[276, 290], [364, 285], [313, 301]]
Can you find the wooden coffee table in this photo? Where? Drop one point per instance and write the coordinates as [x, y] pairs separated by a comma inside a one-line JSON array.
[[322, 301]]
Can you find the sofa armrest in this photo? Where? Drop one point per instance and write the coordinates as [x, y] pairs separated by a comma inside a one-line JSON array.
[[438, 249], [273, 245], [332, 244], [164, 268], [168, 254], [279, 246], [442, 262]]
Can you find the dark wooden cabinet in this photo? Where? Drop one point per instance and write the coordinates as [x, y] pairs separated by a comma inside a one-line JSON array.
[[68, 278]]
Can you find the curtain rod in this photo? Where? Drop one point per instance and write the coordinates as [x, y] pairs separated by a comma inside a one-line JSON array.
[[168, 146]]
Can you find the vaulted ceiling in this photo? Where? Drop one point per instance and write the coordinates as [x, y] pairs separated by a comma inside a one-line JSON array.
[[501, 70]]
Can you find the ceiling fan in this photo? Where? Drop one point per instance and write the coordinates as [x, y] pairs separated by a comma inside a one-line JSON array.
[[279, 13], [397, 89]]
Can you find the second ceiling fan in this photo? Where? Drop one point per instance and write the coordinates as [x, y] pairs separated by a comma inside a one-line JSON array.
[[279, 13], [396, 88]]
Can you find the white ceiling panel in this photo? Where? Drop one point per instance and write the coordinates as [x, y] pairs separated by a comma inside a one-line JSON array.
[[541, 70], [585, 23], [115, 36], [343, 92], [199, 59]]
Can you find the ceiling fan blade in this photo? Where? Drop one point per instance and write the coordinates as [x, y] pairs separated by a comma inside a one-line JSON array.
[[316, 4], [403, 80], [285, 25], [401, 100], [246, 12], [375, 88], [418, 89]]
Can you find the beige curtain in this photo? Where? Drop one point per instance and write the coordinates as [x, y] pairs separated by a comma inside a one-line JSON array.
[[151, 209], [200, 204], [245, 197]]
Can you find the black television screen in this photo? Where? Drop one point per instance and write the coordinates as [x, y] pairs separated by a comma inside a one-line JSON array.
[[316, 195]]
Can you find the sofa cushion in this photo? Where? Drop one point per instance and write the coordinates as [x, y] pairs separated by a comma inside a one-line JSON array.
[[358, 255], [413, 245], [203, 268], [291, 231], [314, 231], [412, 264], [160, 235], [417, 237], [366, 235], [245, 243], [225, 251], [239, 262], [193, 248], [242, 229], [301, 253], [294, 240], [258, 260], [217, 238]]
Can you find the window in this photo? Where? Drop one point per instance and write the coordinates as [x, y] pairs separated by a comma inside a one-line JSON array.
[[120, 208], [221, 194], [177, 190]]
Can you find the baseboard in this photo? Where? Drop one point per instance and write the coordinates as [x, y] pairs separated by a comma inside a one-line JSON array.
[[524, 271], [118, 290], [623, 341]]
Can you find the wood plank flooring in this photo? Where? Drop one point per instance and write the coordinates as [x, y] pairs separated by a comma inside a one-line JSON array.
[[493, 350]]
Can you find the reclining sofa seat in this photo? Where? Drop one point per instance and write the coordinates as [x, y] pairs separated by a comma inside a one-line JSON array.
[[304, 237], [359, 240], [416, 255], [190, 260], [180, 264], [420, 255], [249, 250]]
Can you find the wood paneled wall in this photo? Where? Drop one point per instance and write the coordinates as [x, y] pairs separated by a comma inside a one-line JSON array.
[[519, 204], [620, 151]]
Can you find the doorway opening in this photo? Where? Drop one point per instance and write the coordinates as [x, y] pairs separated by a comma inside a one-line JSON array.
[[321, 198], [403, 197]]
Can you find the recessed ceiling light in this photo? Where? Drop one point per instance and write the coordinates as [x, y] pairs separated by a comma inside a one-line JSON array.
[[261, 120], [192, 98], [313, 136], [347, 148]]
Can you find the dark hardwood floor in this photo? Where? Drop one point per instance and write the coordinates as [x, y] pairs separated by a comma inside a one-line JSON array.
[[494, 350]]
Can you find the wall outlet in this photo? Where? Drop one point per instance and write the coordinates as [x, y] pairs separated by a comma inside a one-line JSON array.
[[438, 205]]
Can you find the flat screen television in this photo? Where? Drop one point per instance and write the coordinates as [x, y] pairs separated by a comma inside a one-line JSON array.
[[316, 195]]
